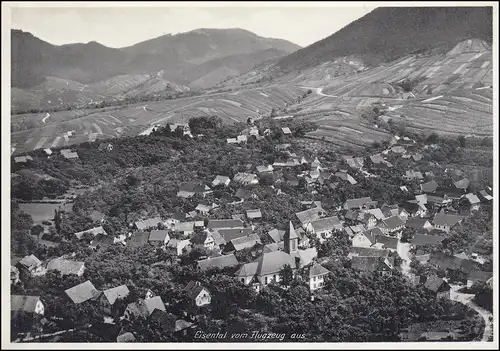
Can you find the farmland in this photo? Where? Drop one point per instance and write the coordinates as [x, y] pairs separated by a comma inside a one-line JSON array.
[[39, 211]]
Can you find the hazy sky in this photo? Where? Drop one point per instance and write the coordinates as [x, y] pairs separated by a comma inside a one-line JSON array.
[[123, 26]]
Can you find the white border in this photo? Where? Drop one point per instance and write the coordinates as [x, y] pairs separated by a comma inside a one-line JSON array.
[[5, 139]]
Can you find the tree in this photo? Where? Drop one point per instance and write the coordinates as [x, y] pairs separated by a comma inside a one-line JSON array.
[[57, 220], [286, 275]]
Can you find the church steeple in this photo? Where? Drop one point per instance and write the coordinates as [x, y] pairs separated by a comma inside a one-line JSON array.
[[291, 240]]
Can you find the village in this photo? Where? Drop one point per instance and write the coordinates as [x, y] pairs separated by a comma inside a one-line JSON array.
[[384, 238]]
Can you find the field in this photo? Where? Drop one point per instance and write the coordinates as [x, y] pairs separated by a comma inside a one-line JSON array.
[[39, 211]]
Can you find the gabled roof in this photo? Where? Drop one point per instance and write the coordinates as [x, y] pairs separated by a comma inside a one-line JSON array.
[[309, 215], [245, 178], [485, 195], [219, 179], [370, 263], [154, 303], [429, 187], [277, 235], [243, 194], [184, 226], [247, 270], [317, 270], [389, 242], [346, 177], [410, 207], [377, 212], [65, 267], [273, 247], [329, 223], [218, 238], [225, 224], [254, 214], [82, 292], [30, 261], [306, 256], [193, 289], [218, 262], [423, 239], [158, 235], [138, 239], [273, 262], [23, 303], [357, 203], [148, 223], [393, 222], [436, 284], [245, 242], [480, 276], [443, 219], [286, 130], [230, 234], [472, 198], [462, 184], [414, 174], [416, 223], [115, 293], [93, 231], [368, 251]]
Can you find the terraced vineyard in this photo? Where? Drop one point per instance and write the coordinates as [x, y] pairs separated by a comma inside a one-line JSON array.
[[33, 131]]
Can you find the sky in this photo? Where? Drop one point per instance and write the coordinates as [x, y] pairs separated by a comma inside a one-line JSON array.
[[124, 26]]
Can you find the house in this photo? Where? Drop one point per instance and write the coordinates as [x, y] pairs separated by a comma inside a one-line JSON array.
[[386, 242], [324, 227], [48, 151], [380, 265], [254, 214], [389, 211], [392, 224], [363, 239], [276, 235], [367, 251], [289, 162], [22, 159], [220, 262], [108, 297], [417, 157], [286, 130], [188, 190], [143, 308], [231, 234], [412, 209], [307, 216], [242, 139], [241, 243], [82, 292], [283, 147], [424, 239], [125, 336], [225, 224], [452, 263], [436, 286], [159, 238], [148, 223], [105, 147], [485, 196], [30, 266], [246, 178], [429, 187], [179, 245], [93, 231], [26, 304], [478, 277], [244, 194], [186, 228], [205, 207], [438, 201], [66, 267], [360, 203], [197, 293], [419, 224], [221, 180], [346, 177], [138, 239], [413, 175], [398, 149], [462, 184], [264, 169], [445, 222], [473, 201], [369, 220], [317, 275], [354, 162], [205, 239], [377, 213], [68, 154]]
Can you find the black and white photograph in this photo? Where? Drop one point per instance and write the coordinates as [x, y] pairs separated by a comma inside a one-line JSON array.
[[250, 174]]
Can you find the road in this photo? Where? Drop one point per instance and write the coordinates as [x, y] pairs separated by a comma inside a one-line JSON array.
[[466, 299], [404, 253]]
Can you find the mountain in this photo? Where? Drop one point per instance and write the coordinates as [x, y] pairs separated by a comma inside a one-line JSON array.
[[388, 33], [203, 56]]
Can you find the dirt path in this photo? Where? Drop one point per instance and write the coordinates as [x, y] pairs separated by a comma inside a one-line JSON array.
[[404, 253]]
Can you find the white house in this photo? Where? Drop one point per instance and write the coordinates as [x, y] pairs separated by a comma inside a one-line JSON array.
[[27, 304], [317, 275], [197, 293]]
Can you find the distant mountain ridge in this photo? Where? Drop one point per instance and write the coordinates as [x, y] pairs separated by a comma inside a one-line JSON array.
[[182, 58], [388, 33]]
